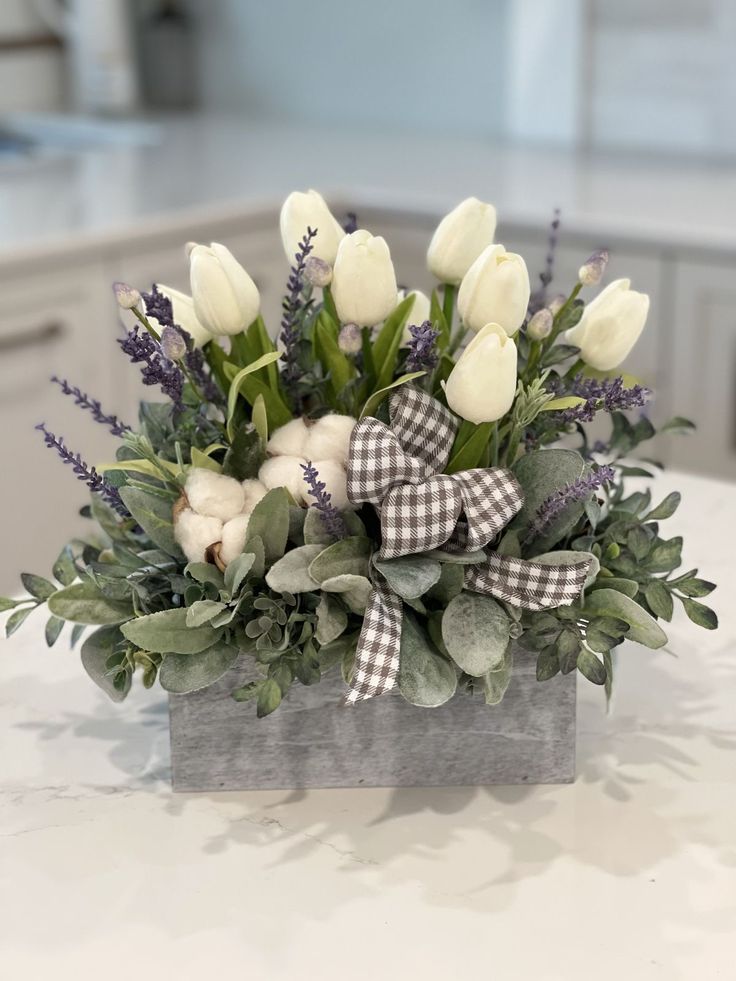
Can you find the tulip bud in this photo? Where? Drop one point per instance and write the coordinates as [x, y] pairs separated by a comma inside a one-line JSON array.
[[482, 384], [182, 308], [363, 280], [592, 270], [317, 271], [556, 304], [460, 238], [418, 314], [226, 299], [540, 326], [610, 325], [350, 339], [495, 290], [127, 297], [309, 210], [173, 344]]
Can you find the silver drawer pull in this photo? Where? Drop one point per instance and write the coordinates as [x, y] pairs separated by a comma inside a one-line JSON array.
[[35, 336]]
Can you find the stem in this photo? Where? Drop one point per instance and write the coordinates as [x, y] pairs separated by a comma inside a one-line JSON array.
[[457, 339], [146, 323], [494, 445], [576, 367], [448, 304], [561, 314]]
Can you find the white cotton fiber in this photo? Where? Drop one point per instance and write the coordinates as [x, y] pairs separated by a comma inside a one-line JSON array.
[[335, 481], [214, 494], [289, 440], [285, 471], [254, 491], [329, 438], [233, 537], [195, 533]]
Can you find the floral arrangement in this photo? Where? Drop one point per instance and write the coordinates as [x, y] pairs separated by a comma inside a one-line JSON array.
[[400, 486]]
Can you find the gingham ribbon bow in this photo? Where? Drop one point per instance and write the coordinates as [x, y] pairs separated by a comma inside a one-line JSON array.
[[398, 468]]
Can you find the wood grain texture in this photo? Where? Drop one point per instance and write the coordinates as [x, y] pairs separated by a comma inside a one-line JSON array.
[[313, 741]]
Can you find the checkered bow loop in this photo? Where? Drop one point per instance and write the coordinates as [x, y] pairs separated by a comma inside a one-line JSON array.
[[398, 468]]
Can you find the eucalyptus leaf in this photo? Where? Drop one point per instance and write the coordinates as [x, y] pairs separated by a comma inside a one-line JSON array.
[[291, 573], [411, 575], [17, 619], [475, 631], [82, 602], [64, 569], [53, 628], [659, 599], [167, 632], [699, 613], [181, 673], [269, 698], [643, 629], [96, 650], [349, 556], [269, 521], [591, 667], [426, 678], [448, 586], [495, 683], [37, 586]]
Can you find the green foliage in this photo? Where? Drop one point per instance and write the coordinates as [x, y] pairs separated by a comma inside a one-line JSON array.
[[181, 673], [410, 576], [541, 474], [269, 521], [245, 454], [475, 632], [426, 677]]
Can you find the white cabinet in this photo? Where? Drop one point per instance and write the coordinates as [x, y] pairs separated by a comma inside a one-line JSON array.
[[703, 367]]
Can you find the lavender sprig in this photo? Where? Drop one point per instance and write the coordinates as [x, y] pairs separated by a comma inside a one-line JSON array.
[[331, 517], [350, 224], [602, 395], [116, 427], [293, 306], [422, 354], [539, 296], [141, 348], [95, 481], [556, 503], [158, 305]]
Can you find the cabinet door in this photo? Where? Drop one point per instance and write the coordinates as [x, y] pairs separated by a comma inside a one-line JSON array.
[[49, 325], [703, 366]]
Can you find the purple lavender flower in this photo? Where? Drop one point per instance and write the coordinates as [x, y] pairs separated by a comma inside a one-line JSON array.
[[539, 296], [556, 503], [331, 517], [422, 355], [293, 306], [602, 395], [141, 348], [95, 481], [158, 305], [116, 427], [350, 224]]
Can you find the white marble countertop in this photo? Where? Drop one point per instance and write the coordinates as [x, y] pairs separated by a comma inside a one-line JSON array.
[[196, 168], [630, 872]]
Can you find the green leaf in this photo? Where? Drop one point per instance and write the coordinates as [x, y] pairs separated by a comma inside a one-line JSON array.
[[204, 572], [64, 569], [643, 629], [439, 321], [15, 620], [167, 632], [639, 543], [659, 599], [564, 557], [475, 631], [695, 587], [315, 532], [269, 521], [182, 673], [204, 462], [627, 586], [95, 653], [245, 455], [82, 602], [238, 382], [353, 590], [495, 683], [425, 677], [470, 453], [237, 570], [448, 586], [411, 575], [349, 556], [277, 411], [700, 613], [564, 402], [567, 646], [331, 620], [269, 698], [665, 556], [331, 654], [291, 573], [387, 343], [541, 474], [54, 626], [154, 516], [591, 668], [335, 363], [255, 547], [37, 586], [259, 418], [678, 425], [548, 664], [7, 604], [375, 400], [202, 611]]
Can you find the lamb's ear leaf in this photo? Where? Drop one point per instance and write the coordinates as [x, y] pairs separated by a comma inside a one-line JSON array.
[[154, 515], [182, 673], [476, 630], [269, 521], [426, 678], [82, 602], [167, 633], [332, 619], [290, 574], [95, 653]]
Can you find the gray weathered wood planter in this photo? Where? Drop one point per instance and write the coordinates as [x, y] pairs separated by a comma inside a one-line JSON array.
[[313, 741]]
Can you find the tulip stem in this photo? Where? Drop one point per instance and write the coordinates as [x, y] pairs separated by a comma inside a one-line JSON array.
[[575, 368], [146, 323], [561, 314], [448, 304]]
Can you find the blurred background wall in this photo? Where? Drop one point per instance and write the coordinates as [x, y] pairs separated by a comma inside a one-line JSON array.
[[128, 127]]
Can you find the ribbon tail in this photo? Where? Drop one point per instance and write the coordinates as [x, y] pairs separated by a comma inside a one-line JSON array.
[[377, 657], [528, 584]]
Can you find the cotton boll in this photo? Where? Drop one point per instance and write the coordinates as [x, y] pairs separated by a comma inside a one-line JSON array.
[[289, 440], [329, 438], [214, 494], [195, 533], [335, 482], [254, 491], [233, 537], [285, 471]]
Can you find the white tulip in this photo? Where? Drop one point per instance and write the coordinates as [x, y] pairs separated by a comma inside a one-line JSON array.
[[363, 280], [226, 300], [289, 440], [214, 494], [300, 211], [329, 438], [460, 238], [418, 313], [610, 325], [184, 316], [285, 471], [482, 384], [195, 533], [495, 290]]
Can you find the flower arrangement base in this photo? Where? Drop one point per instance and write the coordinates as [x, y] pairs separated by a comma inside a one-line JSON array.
[[313, 741]]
